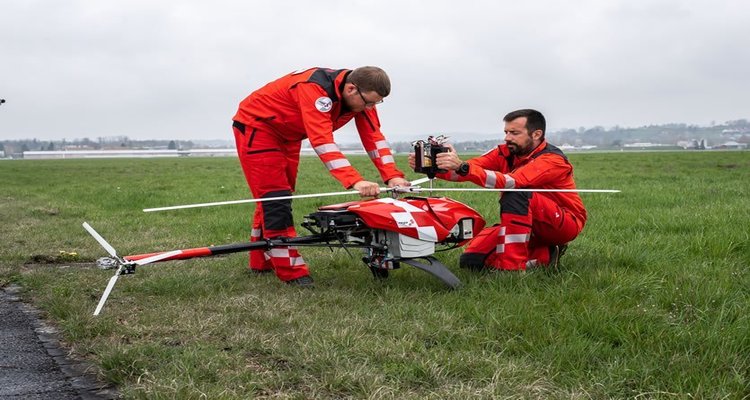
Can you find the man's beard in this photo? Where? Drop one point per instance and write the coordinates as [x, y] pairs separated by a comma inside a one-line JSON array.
[[517, 150]]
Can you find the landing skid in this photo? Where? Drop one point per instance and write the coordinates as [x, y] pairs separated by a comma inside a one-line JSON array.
[[434, 268]]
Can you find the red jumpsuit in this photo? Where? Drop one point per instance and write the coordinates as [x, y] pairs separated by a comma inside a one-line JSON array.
[[530, 222], [269, 128]]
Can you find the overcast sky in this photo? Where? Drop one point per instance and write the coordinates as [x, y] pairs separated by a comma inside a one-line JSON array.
[[177, 69]]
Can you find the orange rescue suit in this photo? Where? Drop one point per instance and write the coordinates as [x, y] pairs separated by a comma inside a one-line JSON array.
[[307, 104], [530, 222]]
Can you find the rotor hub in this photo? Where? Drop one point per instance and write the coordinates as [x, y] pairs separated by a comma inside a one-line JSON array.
[[107, 263]]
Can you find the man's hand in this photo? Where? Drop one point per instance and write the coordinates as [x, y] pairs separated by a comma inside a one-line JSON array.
[[401, 182], [367, 188], [412, 162], [449, 160]]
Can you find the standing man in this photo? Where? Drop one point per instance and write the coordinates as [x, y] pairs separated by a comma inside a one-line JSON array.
[[534, 227], [269, 128]]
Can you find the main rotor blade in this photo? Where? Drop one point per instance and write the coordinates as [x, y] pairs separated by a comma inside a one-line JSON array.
[[100, 239], [110, 285], [437, 189], [419, 181], [157, 257], [223, 203]]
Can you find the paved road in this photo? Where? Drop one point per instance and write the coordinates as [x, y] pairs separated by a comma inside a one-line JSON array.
[[32, 363]]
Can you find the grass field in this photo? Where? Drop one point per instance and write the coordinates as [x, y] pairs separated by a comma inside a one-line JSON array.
[[652, 299]]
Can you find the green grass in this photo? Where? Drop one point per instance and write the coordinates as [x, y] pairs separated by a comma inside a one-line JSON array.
[[651, 301]]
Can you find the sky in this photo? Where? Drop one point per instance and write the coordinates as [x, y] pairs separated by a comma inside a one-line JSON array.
[[178, 69]]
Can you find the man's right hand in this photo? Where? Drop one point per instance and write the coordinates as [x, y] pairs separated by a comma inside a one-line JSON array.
[[367, 188]]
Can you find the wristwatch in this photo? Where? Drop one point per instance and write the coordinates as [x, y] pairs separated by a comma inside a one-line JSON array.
[[463, 169]]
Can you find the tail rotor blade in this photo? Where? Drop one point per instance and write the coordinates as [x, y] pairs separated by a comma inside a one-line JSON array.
[[110, 285], [100, 239], [113, 279], [157, 257]]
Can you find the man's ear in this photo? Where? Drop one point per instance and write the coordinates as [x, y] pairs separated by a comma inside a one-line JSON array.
[[349, 88], [537, 134]]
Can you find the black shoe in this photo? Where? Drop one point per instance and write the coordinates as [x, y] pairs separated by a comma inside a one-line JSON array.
[[473, 262], [303, 282], [555, 253]]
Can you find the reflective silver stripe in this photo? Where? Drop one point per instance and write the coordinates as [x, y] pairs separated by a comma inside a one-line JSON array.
[[255, 233], [373, 154], [382, 144], [510, 183], [491, 179], [279, 253], [501, 231], [427, 233], [453, 176], [326, 148], [500, 248], [388, 160], [516, 238], [340, 163], [297, 261]]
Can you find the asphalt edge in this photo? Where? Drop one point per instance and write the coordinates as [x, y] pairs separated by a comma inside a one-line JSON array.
[[80, 373]]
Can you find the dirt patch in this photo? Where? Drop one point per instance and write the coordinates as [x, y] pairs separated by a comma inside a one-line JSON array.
[[41, 259], [32, 265], [63, 257]]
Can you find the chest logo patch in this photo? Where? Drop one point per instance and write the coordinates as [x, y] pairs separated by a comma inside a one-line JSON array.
[[323, 104]]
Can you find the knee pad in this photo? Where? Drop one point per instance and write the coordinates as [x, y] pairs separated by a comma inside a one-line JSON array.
[[277, 214], [515, 202]]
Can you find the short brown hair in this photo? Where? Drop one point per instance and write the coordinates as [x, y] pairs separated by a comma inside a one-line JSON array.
[[370, 79], [534, 119]]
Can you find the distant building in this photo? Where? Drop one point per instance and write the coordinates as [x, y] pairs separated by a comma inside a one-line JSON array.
[[569, 147], [694, 144], [64, 154], [641, 145], [61, 154], [208, 152], [733, 145]]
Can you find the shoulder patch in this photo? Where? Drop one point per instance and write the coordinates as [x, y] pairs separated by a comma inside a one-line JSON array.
[[323, 104]]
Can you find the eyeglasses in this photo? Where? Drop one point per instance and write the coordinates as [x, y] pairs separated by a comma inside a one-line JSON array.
[[367, 103]]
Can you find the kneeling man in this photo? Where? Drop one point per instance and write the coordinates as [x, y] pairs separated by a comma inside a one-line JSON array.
[[534, 227]]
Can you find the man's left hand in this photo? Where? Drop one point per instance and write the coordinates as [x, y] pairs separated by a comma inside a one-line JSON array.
[[448, 160]]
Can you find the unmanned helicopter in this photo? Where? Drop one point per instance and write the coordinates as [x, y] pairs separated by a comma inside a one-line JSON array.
[[389, 231]]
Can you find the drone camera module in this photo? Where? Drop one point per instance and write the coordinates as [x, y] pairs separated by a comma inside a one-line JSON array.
[[425, 153]]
